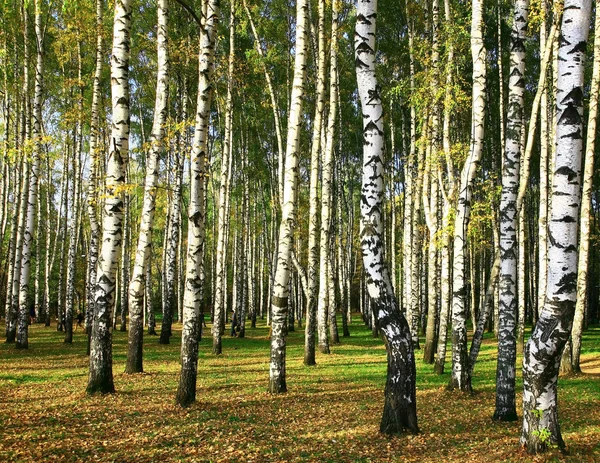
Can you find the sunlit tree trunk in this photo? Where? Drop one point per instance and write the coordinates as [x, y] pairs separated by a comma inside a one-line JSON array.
[[280, 290], [22, 341], [100, 377], [73, 223], [541, 427], [461, 378], [186, 391], [586, 199], [142, 254], [399, 412], [220, 304], [507, 325]]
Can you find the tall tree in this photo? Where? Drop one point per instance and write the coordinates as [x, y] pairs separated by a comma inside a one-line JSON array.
[[100, 377], [507, 342], [461, 379], [136, 286], [586, 200], [280, 290], [541, 427], [186, 391], [400, 408]]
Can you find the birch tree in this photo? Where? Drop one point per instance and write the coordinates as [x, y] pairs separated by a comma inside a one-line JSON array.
[[400, 412], [507, 341], [461, 378], [186, 391], [586, 200], [280, 290], [136, 286], [542, 354], [100, 376]]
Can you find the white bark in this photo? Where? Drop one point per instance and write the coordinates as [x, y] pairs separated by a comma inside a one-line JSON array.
[[543, 351], [460, 369], [100, 377], [136, 285], [586, 196], [186, 392], [280, 294]]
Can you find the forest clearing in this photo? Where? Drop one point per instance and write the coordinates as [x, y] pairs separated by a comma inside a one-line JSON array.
[[330, 413]]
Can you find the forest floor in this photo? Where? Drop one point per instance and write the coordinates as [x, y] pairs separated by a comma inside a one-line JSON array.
[[330, 414]]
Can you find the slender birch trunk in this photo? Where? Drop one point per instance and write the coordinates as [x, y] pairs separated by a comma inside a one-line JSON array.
[[101, 377], [170, 303], [400, 412], [507, 325], [280, 291], [586, 195], [220, 304], [73, 224], [22, 341], [461, 378], [186, 391], [142, 254], [541, 427]]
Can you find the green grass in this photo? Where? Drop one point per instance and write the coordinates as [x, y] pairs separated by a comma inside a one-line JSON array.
[[331, 412]]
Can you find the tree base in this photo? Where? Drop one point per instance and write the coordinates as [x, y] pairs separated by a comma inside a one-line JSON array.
[[398, 421], [100, 386], [506, 416], [277, 386], [186, 391]]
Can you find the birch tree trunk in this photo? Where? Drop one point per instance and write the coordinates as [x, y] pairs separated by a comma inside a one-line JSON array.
[[280, 291], [507, 342], [220, 304], [136, 286], [22, 341], [586, 199], [316, 314], [461, 378], [541, 427], [399, 413], [186, 391], [100, 377], [93, 187]]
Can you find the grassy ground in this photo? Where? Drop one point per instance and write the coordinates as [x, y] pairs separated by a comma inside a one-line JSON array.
[[331, 413]]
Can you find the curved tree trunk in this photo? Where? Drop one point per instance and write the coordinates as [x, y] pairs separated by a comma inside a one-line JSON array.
[[461, 379], [541, 427], [400, 411]]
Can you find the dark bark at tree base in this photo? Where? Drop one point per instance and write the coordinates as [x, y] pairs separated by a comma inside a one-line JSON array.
[[11, 336], [429, 352], [545, 437], [135, 349], [101, 383], [505, 415], [309, 360], [398, 420], [217, 346], [122, 328], [277, 386], [152, 331], [68, 333], [186, 391], [22, 345], [454, 386], [324, 349], [438, 368]]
